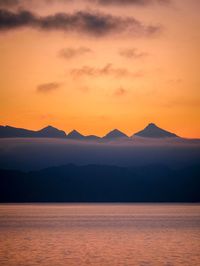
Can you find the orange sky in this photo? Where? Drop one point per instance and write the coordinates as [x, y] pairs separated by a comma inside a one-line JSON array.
[[94, 77]]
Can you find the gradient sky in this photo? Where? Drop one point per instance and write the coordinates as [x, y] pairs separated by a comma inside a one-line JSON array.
[[95, 65]]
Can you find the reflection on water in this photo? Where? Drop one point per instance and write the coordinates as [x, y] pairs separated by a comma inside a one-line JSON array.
[[99, 234]]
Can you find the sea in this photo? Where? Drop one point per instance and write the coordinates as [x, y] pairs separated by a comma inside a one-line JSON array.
[[99, 234]]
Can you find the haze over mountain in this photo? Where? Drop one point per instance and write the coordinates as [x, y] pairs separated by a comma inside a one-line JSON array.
[[153, 131], [38, 153], [154, 165]]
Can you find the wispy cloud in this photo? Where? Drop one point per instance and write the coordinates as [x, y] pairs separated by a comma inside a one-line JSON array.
[[132, 53], [174, 81], [48, 87], [69, 53], [120, 92], [130, 2], [26, 3], [7, 3], [107, 70], [92, 23]]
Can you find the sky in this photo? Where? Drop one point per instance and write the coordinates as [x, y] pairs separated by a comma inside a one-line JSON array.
[[96, 65]]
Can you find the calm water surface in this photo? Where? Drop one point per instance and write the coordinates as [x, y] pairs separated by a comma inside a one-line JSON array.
[[99, 234]]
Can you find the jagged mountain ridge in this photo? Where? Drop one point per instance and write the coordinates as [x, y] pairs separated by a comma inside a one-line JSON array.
[[151, 131], [47, 132]]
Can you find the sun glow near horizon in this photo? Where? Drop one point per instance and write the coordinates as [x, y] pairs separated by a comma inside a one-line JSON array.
[[99, 67]]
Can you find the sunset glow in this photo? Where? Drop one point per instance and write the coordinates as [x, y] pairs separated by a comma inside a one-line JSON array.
[[100, 65]]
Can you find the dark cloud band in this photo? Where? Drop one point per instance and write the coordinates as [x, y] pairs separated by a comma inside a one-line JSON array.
[[15, 3], [48, 87], [131, 2], [92, 23], [132, 53], [107, 70], [7, 3], [69, 53]]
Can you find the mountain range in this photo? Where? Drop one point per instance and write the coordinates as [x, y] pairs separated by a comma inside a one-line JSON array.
[[47, 132], [54, 170], [101, 183], [150, 131]]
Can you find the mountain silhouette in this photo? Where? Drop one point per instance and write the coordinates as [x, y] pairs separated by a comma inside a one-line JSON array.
[[101, 183], [115, 134], [47, 132], [12, 132], [51, 132], [153, 131], [75, 135], [92, 137]]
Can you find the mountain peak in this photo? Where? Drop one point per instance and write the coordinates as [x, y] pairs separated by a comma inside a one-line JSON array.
[[49, 128], [152, 125], [92, 137], [153, 131], [50, 131], [74, 134], [115, 133]]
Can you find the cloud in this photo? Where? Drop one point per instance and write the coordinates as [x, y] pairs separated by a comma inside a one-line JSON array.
[[174, 81], [69, 53], [87, 22], [132, 53], [130, 2], [8, 3], [107, 70], [26, 3], [48, 87], [120, 91], [84, 89]]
